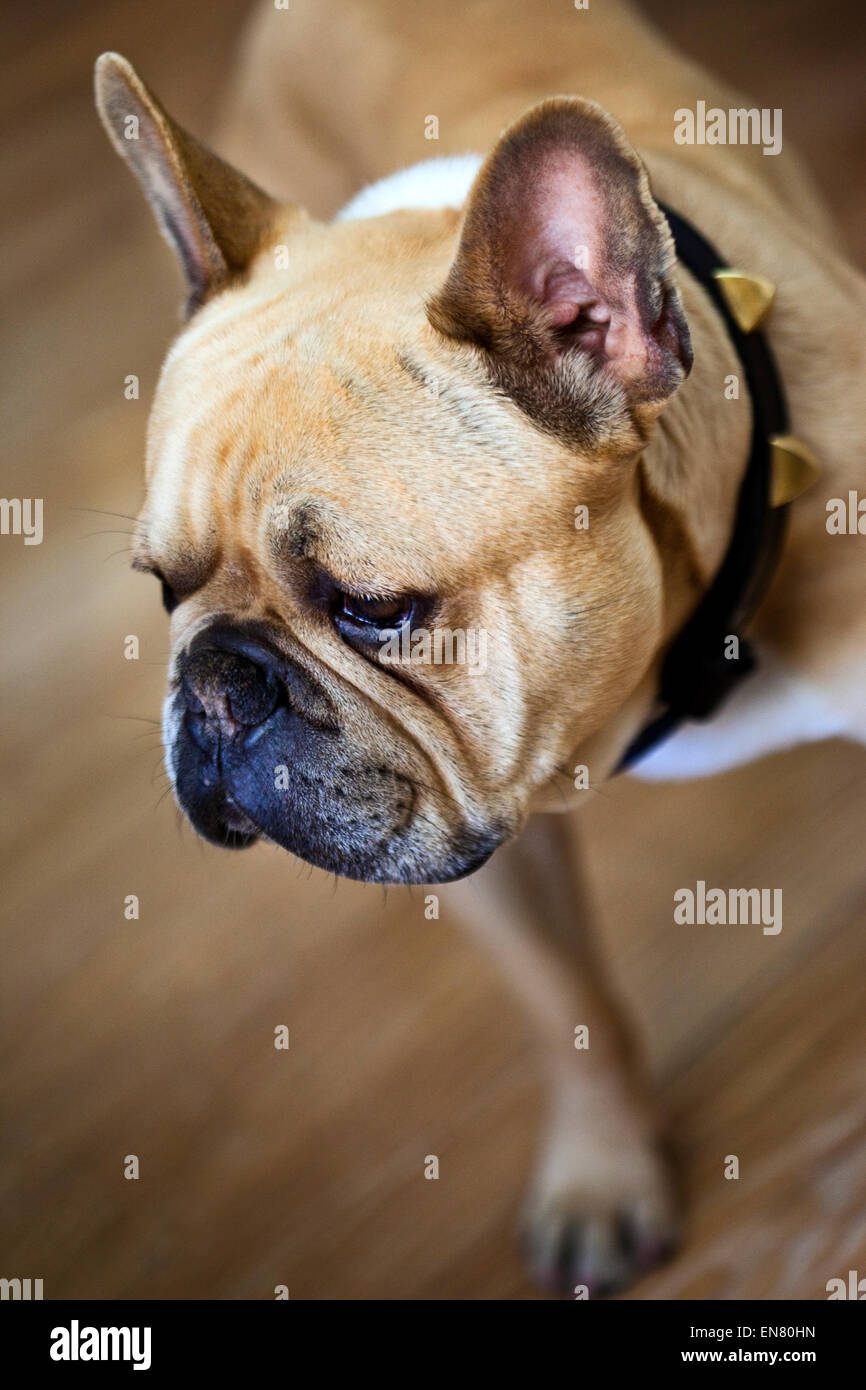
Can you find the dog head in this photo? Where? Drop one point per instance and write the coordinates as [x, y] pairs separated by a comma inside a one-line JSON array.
[[392, 494]]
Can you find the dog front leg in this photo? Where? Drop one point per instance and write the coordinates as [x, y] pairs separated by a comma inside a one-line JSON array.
[[601, 1208]]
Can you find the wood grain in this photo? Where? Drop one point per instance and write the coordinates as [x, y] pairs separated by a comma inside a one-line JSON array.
[[155, 1037]]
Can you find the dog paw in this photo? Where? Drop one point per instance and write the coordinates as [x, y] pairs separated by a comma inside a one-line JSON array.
[[594, 1230]]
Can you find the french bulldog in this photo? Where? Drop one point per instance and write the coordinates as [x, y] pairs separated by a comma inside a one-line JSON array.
[[484, 397]]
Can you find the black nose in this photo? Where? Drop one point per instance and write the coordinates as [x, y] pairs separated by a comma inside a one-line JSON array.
[[226, 693]]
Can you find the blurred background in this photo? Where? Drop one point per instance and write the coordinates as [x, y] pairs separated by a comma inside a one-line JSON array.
[[154, 1036]]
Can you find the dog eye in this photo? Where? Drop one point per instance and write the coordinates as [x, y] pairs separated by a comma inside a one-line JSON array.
[[170, 599], [371, 614]]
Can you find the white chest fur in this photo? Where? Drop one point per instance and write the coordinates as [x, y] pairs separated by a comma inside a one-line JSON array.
[[772, 709]]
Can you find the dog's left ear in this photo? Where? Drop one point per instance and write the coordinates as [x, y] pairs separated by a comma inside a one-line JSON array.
[[563, 269], [213, 217]]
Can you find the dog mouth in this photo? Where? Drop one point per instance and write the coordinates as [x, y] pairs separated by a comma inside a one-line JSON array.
[[368, 843], [240, 829], [256, 750]]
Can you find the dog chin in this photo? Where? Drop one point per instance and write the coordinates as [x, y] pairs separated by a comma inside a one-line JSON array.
[[221, 822]]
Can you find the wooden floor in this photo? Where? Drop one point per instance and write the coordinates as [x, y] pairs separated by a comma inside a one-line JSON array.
[[155, 1037]]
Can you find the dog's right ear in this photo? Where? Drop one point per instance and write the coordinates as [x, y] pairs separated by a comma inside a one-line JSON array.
[[214, 218]]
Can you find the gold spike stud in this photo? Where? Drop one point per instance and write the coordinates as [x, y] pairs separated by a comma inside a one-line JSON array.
[[749, 297], [793, 468]]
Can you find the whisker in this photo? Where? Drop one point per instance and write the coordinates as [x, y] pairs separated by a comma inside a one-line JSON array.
[[100, 511], [140, 718], [110, 531]]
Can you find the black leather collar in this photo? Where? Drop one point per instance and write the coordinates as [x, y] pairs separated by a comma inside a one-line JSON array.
[[696, 676]]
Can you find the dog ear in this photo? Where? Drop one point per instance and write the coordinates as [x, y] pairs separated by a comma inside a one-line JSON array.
[[213, 217], [563, 270]]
